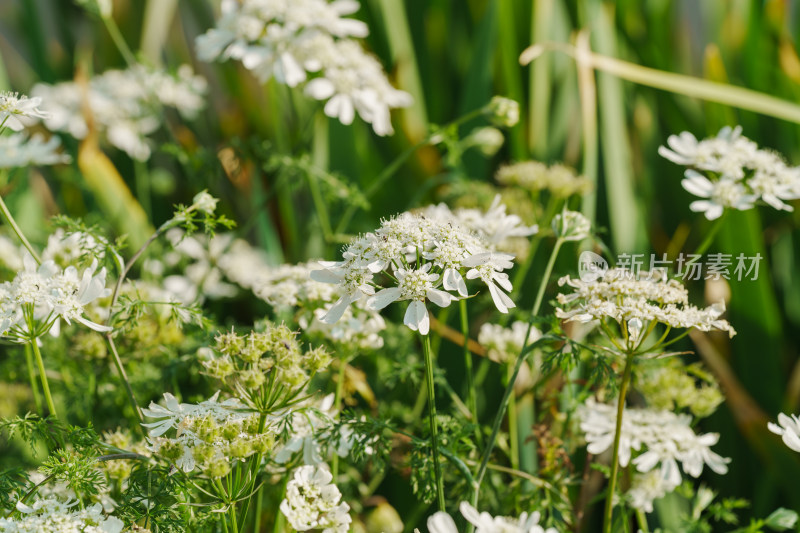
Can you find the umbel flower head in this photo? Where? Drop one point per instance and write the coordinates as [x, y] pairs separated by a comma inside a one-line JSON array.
[[39, 296], [307, 42], [637, 303], [14, 107], [426, 259], [53, 515], [733, 172], [657, 438], [442, 522], [208, 436], [314, 502]]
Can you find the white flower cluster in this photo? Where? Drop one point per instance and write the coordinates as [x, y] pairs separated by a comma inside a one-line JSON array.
[[503, 345], [424, 257], [663, 438], [788, 427], [128, 105], [294, 40], [636, 301], [44, 294], [738, 173], [494, 226], [14, 109], [209, 435], [314, 502], [19, 150], [571, 226], [442, 522], [646, 488], [53, 516]]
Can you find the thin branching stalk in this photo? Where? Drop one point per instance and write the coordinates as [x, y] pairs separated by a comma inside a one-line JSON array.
[[498, 420], [21, 236], [612, 482], [426, 344], [37, 400], [42, 375], [337, 406]]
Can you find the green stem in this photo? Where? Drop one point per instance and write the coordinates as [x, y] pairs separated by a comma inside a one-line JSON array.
[[513, 431], [498, 420], [119, 41], [13, 223], [547, 272], [709, 239], [612, 482], [641, 518], [37, 400], [124, 375], [45, 385], [319, 206], [337, 404], [426, 344], [472, 401]]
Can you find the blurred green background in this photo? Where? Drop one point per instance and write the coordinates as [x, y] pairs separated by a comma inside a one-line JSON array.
[[452, 56]]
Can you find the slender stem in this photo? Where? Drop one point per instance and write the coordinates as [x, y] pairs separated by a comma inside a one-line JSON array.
[[119, 40], [472, 401], [426, 344], [320, 207], [45, 386], [13, 223], [337, 405], [498, 420], [125, 380], [259, 509], [612, 482], [709, 239], [37, 400], [547, 272], [513, 431], [641, 518]]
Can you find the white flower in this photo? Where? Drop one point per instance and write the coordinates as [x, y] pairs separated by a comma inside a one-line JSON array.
[[126, 105], [50, 514], [313, 502], [621, 296], [14, 107], [788, 427], [646, 488], [204, 202], [486, 523], [720, 194], [294, 42], [417, 286], [19, 150], [571, 226], [738, 173], [505, 111], [488, 267], [663, 438], [505, 344]]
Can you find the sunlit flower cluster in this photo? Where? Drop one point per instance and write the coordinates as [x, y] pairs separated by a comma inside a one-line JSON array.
[[636, 301], [494, 227], [41, 295], [53, 516], [646, 488], [560, 180], [504, 345], [127, 105], [571, 226], [314, 502], [442, 522], [310, 43], [425, 258], [208, 436], [736, 173], [658, 438]]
